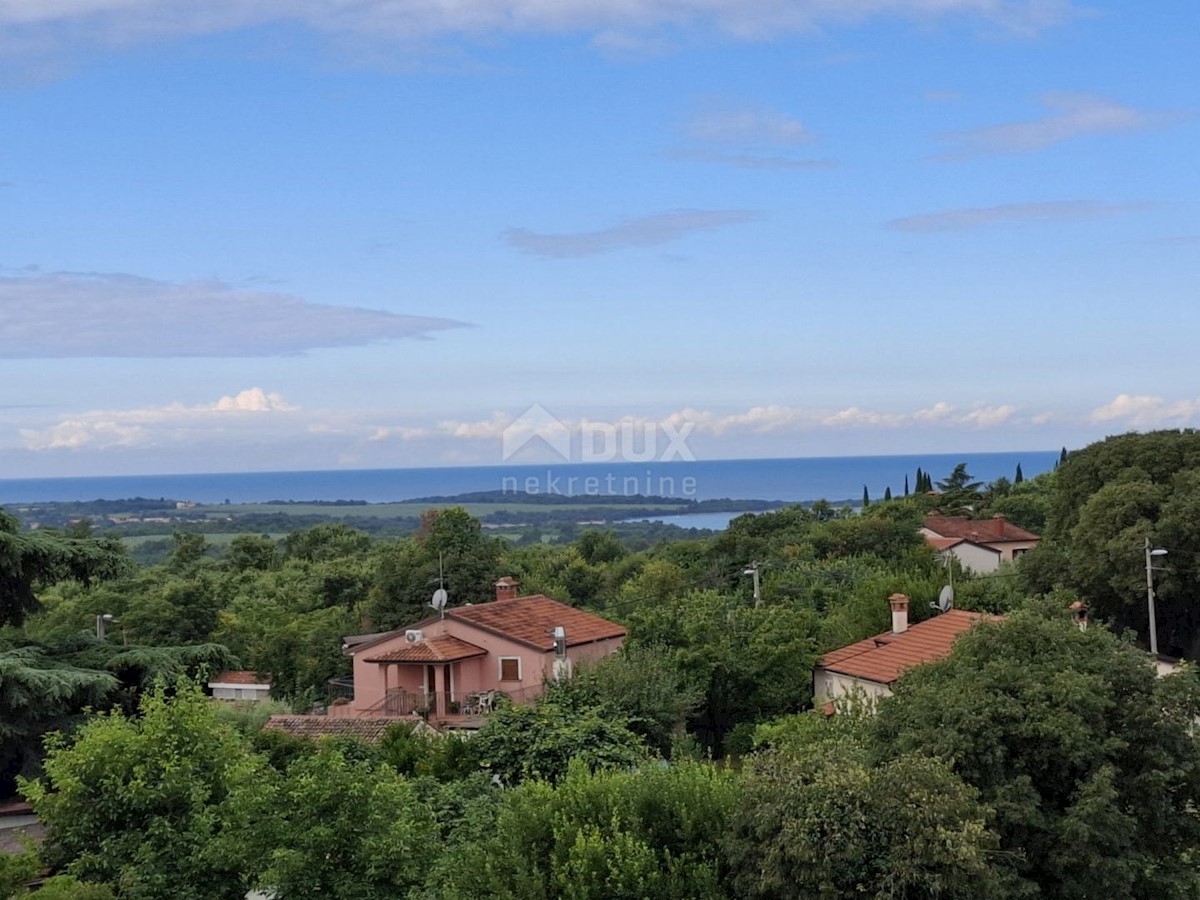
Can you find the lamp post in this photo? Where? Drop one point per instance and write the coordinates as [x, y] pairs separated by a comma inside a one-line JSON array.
[[101, 621], [753, 571], [1150, 556]]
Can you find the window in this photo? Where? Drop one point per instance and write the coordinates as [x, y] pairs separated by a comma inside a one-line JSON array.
[[510, 668]]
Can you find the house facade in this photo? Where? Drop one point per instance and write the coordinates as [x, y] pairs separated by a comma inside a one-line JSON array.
[[240, 685], [978, 544], [871, 667], [459, 662]]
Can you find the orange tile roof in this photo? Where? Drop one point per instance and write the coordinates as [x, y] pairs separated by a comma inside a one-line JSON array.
[[240, 676], [885, 657], [530, 620], [443, 648], [995, 530]]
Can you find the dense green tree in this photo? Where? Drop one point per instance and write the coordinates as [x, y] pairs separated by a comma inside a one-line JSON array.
[[640, 684], [539, 741], [40, 693], [1019, 478], [827, 824], [1086, 757], [29, 560], [339, 827], [866, 498], [141, 803], [251, 551], [609, 835]]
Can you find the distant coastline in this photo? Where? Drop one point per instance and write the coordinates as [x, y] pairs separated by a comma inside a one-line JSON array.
[[792, 480]]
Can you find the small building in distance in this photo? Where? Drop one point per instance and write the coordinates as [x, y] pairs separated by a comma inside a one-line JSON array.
[[872, 666], [979, 545], [240, 685]]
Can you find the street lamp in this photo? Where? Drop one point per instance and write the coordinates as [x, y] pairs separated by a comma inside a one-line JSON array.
[[1151, 554], [101, 621], [753, 571]]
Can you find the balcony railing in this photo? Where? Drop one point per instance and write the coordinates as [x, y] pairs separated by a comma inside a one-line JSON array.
[[448, 704]]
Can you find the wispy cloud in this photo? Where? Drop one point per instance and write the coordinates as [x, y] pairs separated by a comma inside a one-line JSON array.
[[980, 216], [118, 23], [747, 137], [1145, 411], [644, 231], [1067, 116], [149, 426], [111, 315]]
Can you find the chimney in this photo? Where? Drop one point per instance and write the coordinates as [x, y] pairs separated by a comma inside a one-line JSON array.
[[506, 588], [899, 604], [999, 520], [1079, 612]]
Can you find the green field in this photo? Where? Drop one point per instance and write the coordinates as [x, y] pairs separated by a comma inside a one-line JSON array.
[[413, 510]]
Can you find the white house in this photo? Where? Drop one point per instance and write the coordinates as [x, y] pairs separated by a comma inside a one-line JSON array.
[[872, 666], [240, 685]]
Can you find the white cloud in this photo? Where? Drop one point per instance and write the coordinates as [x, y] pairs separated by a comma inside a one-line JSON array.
[[113, 315], [1143, 411], [149, 426], [124, 22], [980, 216], [644, 231], [1068, 116]]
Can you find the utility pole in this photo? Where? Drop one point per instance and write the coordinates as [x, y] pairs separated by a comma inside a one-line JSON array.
[[1150, 554], [752, 570]]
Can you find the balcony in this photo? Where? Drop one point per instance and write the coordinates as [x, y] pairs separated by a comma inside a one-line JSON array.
[[454, 708]]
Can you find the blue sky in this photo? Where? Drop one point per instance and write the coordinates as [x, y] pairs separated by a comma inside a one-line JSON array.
[[293, 235]]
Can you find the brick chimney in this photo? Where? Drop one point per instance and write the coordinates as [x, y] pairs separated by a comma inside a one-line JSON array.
[[899, 604], [1079, 613], [999, 520], [506, 588]]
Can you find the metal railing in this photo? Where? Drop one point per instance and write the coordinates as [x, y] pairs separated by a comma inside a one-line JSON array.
[[444, 704]]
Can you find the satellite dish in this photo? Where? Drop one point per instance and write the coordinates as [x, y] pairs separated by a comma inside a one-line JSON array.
[[946, 599], [439, 599]]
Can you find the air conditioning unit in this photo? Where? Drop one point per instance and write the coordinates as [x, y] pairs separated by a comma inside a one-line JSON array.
[[413, 636]]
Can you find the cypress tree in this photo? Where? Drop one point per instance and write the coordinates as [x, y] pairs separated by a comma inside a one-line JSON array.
[[905, 485], [920, 480], [866, 498], [1020, 476], [887, 493], [1062, 457]]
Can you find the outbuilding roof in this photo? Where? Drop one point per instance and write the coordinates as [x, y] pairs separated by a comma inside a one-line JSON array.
[[885, 657], [239, 676], [362, 727]]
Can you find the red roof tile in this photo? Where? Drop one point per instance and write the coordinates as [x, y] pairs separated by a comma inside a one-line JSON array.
[[885, 657], [240, 676], [982, 531], [531, 620], [443, 648]]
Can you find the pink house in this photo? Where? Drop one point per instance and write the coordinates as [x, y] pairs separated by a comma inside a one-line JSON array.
[[458, 663]]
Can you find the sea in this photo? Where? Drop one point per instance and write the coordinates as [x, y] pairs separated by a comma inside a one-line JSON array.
[[807, 478]]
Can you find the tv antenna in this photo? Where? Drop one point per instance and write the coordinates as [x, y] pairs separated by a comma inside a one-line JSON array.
[[440, 597]]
